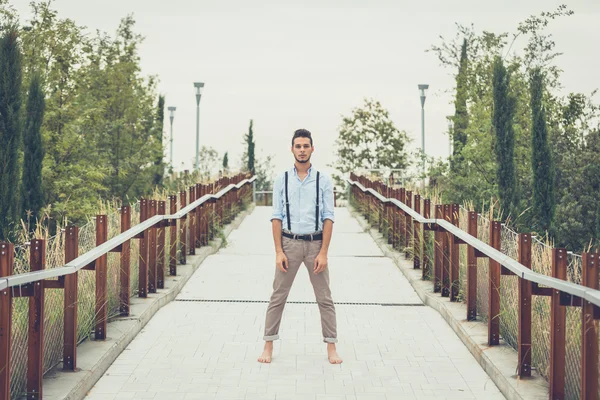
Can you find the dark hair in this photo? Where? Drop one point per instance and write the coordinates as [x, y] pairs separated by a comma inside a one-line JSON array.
[[302, 133]]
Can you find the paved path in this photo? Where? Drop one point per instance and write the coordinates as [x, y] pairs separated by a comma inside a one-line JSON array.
[[205, 344]]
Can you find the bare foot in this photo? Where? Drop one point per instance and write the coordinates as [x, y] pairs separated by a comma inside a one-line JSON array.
[[332, 354], [267, 354]]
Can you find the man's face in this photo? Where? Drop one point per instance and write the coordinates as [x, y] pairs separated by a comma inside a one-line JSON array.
[[302, 149]]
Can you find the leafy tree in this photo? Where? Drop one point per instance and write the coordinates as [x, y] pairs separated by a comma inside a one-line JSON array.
[[541, 160], [368, 139], [10, 130], [8, 15], [58, 49], [265, 173], [122, 118], [504, 109], [31, 191], [208, 160]]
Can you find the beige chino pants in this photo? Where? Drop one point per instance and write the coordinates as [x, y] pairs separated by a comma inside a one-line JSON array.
[[298, 252]]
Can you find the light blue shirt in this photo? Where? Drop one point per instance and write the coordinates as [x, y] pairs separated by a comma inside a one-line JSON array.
[[302, 197]]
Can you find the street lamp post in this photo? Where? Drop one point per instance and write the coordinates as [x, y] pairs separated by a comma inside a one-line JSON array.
[[171, 117], [199, 86], [423, 89]]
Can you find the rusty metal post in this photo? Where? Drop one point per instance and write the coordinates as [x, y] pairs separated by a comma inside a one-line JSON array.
[[125, 272], [160, 251], [70, 301], [7, 253], [220, 206], [454, 255], [143, 252], [494, 287], [173, 239], [438, 252], [589, 330], [408, 220], [182, 229], [389, 216], [35, 334], [198, 217], [402, 237], [396, 217], [472, 270], [558, 321], [152, 250], [101, 280], [426, 269], [446, 254], [192, 223], [212, 211], [525, 292], [204, 217], [416, 234]]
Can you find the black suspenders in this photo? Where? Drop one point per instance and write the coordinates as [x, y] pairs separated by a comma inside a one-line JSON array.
[[317, 212], [287, 204]]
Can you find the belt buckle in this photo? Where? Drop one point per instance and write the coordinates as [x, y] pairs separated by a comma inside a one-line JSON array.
[[295, 236], [311, 237]]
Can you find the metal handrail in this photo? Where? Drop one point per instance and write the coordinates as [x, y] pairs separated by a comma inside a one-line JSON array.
[[92, 255], [591, 295]]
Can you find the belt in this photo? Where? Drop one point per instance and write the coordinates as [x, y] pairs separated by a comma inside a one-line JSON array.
[[311, 237]]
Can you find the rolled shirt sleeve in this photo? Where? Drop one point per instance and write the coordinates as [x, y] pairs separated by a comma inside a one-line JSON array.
[[278, 212], [328, 203]]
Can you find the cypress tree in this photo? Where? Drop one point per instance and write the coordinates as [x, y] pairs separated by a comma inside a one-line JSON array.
[[461, 116], [251, 145], [32, 199], [225, 162], [597, 228], [160, 117], [504, 109], [541, 159], [10, 130]]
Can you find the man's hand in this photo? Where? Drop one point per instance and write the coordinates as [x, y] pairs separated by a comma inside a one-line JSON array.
[[281, 261], [320, 263]]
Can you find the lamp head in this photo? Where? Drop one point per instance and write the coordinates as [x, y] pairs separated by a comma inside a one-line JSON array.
[[423, 90]]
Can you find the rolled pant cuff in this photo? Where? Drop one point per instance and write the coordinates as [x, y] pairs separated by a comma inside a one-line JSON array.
[[270, 338], [330, 340]]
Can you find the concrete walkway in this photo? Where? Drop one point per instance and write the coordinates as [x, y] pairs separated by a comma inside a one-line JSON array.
[[205, 344]]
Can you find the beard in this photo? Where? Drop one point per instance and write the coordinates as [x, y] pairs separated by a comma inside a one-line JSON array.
[[301, 161]]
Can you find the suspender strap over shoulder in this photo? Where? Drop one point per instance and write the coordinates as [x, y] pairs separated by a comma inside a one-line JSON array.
[[287, 203]]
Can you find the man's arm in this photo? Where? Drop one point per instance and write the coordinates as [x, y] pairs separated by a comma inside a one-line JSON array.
[[277, 235], [327, 231], [328, 219], [276, 222]]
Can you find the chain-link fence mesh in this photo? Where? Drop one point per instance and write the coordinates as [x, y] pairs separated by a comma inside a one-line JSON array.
[[541, 254]]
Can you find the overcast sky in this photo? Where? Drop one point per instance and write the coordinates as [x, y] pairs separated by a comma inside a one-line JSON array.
[[304, 64]]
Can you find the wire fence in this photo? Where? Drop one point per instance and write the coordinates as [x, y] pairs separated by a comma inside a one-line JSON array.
[[541, 254]]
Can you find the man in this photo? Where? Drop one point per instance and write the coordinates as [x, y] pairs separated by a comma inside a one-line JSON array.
[[302, 225]]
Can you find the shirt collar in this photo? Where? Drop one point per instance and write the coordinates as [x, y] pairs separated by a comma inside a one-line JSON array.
[[296, 171]]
